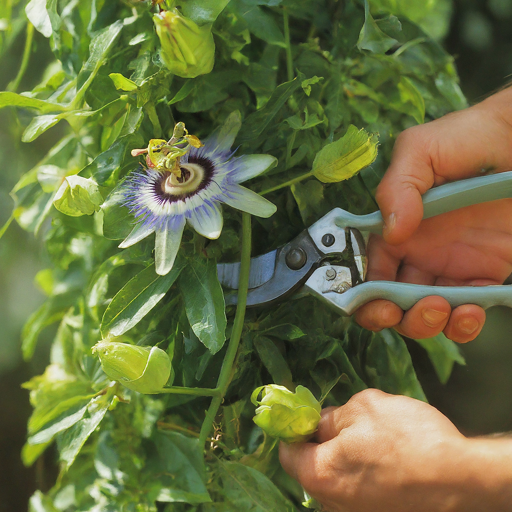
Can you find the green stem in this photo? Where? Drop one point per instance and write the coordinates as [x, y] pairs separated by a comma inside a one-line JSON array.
[[289, 58], [150, 109], [191, 391], [13, 87], [227, 370], [288, 183]]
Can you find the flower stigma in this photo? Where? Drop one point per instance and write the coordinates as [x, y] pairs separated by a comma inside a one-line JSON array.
[[165, 156]]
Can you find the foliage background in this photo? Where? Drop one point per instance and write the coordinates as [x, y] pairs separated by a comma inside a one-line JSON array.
[[477, 397]]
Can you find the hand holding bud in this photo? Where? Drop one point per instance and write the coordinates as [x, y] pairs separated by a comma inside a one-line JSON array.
[[291, 417], [142, 369], [188, 50]]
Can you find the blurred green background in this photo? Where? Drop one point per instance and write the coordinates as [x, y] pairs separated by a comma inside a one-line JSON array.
[[478, 396]]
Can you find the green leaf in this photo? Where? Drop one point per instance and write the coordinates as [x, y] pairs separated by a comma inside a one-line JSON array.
[[273, 361], [47, 314], [38, 16], [251, 491], [344, 158], [449, 87], [11, 99], [443, 353], [389, 365], [260, 23], [309, 196], [371, 37], [52, 395], [122, 83], [306, 84], [39, 125], [202, 12], [137, 298], [117, 219], [288, 332], [99, 48], [107, 165], [72, 440], [412, 100], [78, 196], [175, 469], [204, 302], [256, 123]]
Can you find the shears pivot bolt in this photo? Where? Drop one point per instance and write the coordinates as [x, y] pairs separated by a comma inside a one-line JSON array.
[[328, 240], [296, 258]]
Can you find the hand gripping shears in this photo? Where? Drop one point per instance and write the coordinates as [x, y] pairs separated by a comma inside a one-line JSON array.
[[328, 260]]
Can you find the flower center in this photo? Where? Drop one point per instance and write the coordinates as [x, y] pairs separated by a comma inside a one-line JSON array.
[[191, 178]]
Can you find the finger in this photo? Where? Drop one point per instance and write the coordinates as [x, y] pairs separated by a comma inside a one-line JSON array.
[[465, 323], [413, 275], [383, 263], [378, 315], [427, 318], [383, 260], [335, 419], [408, 177]]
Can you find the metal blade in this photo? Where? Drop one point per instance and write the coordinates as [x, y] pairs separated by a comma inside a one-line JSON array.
[[289, 268], [262, 270]]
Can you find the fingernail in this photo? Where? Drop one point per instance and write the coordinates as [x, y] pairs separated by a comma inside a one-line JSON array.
[[432, 317], [389, 224], [468, 325]]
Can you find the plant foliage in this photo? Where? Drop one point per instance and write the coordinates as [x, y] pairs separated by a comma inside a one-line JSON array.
[[316, 82]]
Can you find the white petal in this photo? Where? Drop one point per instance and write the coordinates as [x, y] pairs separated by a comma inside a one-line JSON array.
[[248, 166], [139, 232], [207, 221], [223, 137], [167, 243], [248, 201]]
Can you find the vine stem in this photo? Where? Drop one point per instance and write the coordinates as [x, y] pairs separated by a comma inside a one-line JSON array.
[[13, 86], [288, 183], [289, 58], [227, 370]]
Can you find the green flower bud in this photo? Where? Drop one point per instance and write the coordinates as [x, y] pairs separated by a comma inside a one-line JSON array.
[[187, 49], [291, 417], [142, 369]]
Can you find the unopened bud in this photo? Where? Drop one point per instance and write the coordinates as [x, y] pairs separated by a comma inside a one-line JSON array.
[[142, 369], [188, 50], [291, 417]]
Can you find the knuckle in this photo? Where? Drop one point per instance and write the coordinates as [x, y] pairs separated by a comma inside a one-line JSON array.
[[368, 397]]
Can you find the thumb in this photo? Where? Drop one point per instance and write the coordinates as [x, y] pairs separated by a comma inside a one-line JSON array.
[[408, 177]]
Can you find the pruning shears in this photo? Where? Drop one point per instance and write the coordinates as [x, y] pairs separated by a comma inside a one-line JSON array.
[[328, 260]]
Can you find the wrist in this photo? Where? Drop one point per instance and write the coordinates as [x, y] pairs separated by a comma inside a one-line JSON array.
[[499, 107]]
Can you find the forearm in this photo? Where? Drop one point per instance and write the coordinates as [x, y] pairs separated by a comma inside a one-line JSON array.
[[476, 476], [489, 469]]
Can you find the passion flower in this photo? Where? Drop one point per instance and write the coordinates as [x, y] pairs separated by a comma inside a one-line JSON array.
[[142, 369], [291, 417], [163, 200]]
